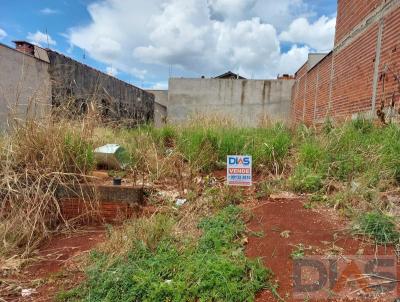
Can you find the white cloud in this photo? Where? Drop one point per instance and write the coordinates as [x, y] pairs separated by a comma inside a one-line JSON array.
[[236, 10], [3, 34], [49, 11], [289, 61], [278, 13], [40, 39], [160, 86], [318, 35], [138, 73], [195, 37], [112, 71]]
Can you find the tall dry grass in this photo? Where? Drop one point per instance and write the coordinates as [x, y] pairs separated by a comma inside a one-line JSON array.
[[36, 158]]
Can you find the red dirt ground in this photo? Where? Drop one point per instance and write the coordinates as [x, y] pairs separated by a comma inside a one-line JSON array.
[[58, 269], [317, 228], [310, 227]]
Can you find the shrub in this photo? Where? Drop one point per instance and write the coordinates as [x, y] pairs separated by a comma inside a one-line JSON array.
[[168, 136], [328, 126], [298, 252]]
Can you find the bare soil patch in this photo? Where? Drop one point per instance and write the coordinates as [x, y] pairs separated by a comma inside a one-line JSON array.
[[284, 224], [57, 269]]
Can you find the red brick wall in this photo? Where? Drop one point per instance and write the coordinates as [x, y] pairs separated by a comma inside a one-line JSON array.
[[390, 59], [350, 13], [324, 67], [316, 93], [298, 94], [348, 72], [353, 75], [81, 211], [310, 96]]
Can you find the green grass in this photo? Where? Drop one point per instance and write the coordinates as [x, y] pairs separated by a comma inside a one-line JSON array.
[[78, 154], [305, 180], [214, 269], [378, 226], [349, 165], [204, 146]]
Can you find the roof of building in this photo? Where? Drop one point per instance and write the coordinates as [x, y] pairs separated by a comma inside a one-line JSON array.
[[38, 52], [230, 75]]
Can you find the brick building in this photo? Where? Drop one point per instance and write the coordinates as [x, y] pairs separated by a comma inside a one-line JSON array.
[[361, 74]]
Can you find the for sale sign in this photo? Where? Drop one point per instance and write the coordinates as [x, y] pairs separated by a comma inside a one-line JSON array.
[[239, 170]]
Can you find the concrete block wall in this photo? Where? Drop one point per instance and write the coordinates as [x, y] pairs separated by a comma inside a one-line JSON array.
[[247, 102], [349, 79], [79, 83], [24, 86]]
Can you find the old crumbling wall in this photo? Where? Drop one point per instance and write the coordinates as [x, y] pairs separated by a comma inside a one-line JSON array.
[[82, 85], [24, 86], [350, 80], [247, 102]]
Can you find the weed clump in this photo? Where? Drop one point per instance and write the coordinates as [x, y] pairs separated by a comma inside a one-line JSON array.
[[304, 180], [378, 226]]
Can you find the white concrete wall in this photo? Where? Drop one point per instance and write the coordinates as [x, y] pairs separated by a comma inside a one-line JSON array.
[[24, 86], [245, 101]]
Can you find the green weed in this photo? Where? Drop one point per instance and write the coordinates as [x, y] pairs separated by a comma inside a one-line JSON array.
[[215, 269], [298, 252], [362, 124], [304, 180], [378, 226], [78, 154]]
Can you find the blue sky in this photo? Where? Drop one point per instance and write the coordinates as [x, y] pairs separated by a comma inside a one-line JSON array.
[[144, 42]]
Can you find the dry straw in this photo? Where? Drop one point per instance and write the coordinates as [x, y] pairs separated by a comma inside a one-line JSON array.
[[38, 155]]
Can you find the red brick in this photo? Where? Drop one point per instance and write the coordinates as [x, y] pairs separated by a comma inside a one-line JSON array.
[[349, 88]]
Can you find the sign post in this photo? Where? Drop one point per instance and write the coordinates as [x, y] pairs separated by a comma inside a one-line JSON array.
[[239, 170]]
